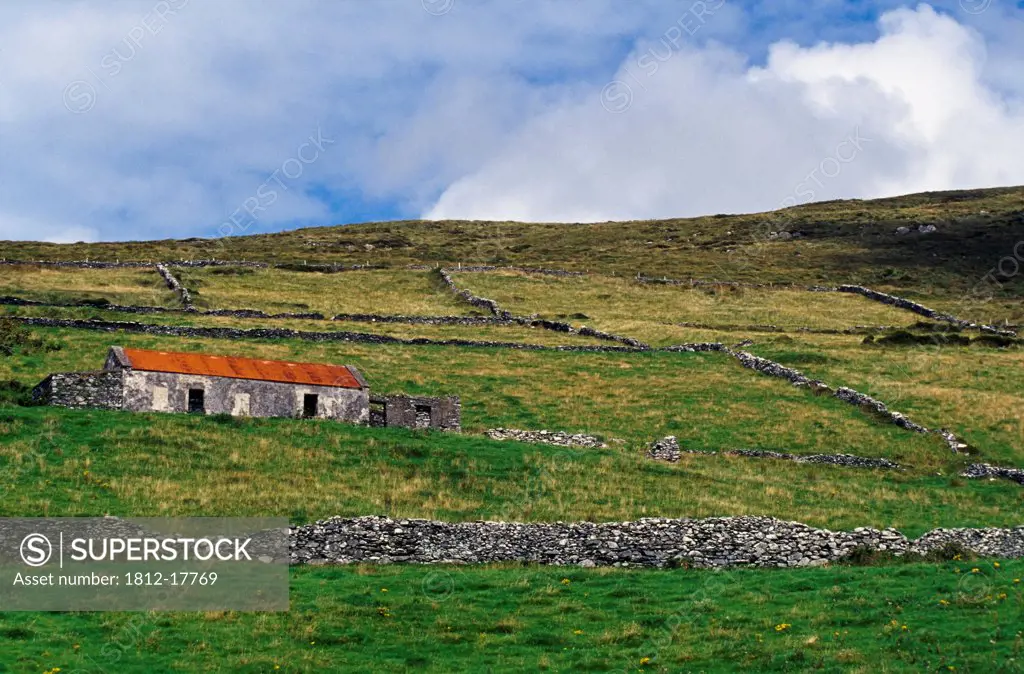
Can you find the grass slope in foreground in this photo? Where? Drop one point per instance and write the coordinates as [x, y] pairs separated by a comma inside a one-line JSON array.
[[74, 463], [954, 616]]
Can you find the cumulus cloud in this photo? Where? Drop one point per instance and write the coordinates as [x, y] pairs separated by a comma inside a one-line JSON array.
[[135, 119], [688, 131]]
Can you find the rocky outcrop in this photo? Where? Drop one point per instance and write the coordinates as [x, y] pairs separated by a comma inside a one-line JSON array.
[[666, 449], [557, 438], [983, 471], [654, 542]]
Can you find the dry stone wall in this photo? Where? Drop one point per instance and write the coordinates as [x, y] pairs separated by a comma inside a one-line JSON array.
[[668, 449], [423, 320], [82, 390], [80, 264], [557, 326], [284, 333], [557, 438], [892, 300], [654, 542], [174, 284], [920, 309], [847, 395], [983, 471], [482, 302]]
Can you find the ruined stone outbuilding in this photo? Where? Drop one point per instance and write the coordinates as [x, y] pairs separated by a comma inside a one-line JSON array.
[[416, 412]]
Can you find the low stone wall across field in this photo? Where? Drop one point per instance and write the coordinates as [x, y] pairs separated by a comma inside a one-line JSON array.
[[80, 264], [668, 449], [284, 333], [920, 309], [982, 471], [557, 326], [712, 542], [557, 438]]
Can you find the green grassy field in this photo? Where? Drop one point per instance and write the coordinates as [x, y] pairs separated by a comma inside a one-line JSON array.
[[964, 615], [706, 399], [974, 392], [413, 293], [72, 463], [493, 333], [903, 618], [605, 301]]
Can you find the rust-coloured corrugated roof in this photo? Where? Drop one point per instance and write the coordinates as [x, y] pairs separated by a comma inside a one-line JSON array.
[[242, 368]]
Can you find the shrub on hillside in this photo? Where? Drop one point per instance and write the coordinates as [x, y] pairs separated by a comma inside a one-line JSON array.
[[15, 337]]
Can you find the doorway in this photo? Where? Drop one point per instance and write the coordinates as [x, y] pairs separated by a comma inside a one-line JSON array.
[[196, 401], [310, 403]]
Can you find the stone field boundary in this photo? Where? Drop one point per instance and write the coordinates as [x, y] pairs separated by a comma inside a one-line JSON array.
[[499, 316], [654, 542]]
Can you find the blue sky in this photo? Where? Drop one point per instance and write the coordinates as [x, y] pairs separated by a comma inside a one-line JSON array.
[[177, 118]]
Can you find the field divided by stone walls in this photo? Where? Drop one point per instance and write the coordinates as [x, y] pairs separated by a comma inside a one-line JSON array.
[[752, 375]]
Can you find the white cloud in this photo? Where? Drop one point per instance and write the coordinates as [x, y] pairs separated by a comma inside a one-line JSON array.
[[491, 110], [705, 133]]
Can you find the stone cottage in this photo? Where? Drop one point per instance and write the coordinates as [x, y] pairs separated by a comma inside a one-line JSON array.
[[140, 380]]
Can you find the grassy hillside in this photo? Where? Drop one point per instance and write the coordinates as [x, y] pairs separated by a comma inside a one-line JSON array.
[[851, 241], [606, 302], [63, 463], [956, 615], [706, 399], [906, 618]]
